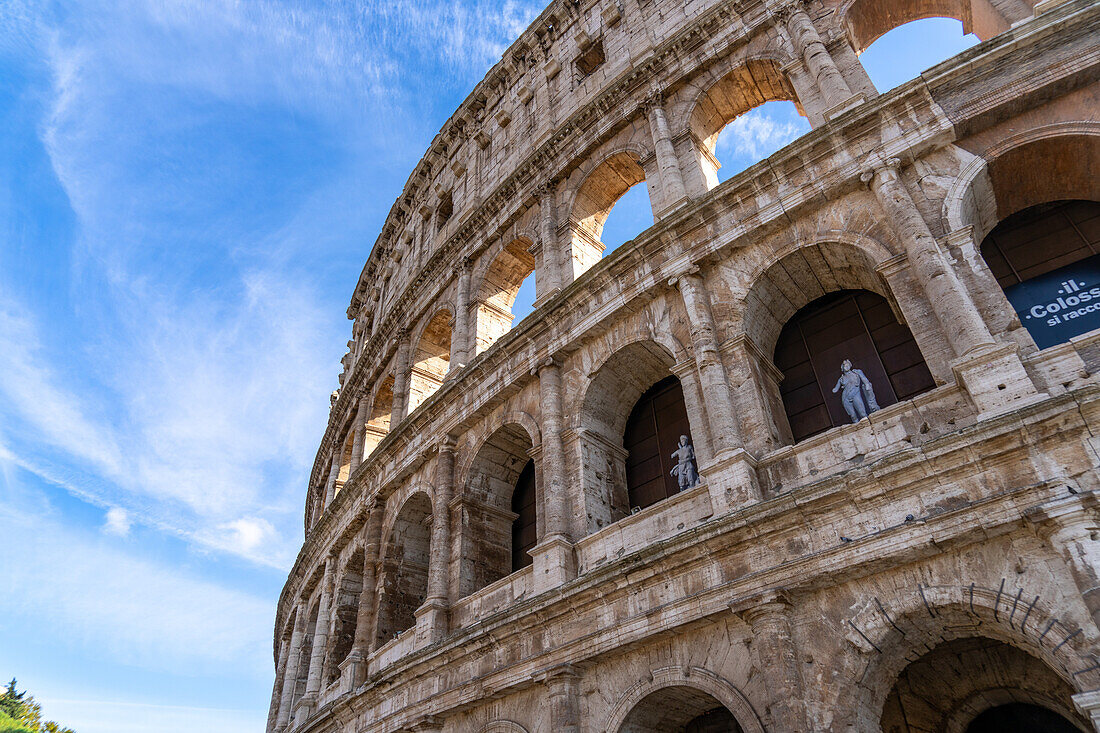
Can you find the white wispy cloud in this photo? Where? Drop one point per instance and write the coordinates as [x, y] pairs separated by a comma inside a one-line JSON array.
[[137, 611], [117, 522], [110, 716], [760, 132]]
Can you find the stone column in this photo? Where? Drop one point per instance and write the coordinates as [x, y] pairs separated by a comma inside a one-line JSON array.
[[956, 313], [731, 476], [333, 474], [992, 374], [769, 617], [673, 191], [808, 44], [553, 555], [357, 435], [432, 617], [552, 264], [276, 689], [1088, 704], [563, 699], [401, 379], [320, 642], [290, 673], [740, 353], [462, 338], [356, 664], [1068, 525]]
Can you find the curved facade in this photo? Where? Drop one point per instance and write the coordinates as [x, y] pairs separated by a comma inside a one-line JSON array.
[[495, 541]]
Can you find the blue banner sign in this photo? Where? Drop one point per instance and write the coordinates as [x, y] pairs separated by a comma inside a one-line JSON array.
[[1061, 304]]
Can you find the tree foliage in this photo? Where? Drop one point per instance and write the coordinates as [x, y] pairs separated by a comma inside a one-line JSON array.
[[19, 713]]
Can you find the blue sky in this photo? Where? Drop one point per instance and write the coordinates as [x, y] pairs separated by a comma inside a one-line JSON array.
[[188, 191]]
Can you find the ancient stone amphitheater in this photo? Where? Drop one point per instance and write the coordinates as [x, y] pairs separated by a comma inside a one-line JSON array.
[[502, 533]]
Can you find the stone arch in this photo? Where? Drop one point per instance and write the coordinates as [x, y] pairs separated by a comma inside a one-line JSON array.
[[604, 183], [403, 574], [305, 652], [867, 20], [378, 419], [493, 423], [611, 393], [804, 271], [747, 86], [990, 187], [692, 678], [345, 606], [488, 483], [497, 289], [502, 726], [886, 634], [431, 359]]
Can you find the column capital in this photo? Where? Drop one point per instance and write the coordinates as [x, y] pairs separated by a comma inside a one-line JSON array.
[[558, 673], [655, 100], [789, 9], [692, 273], [545, 188], [546, 362], [769, 603], [1074, 512], [880, 170]]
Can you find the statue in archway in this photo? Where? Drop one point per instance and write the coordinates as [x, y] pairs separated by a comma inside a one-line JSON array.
[[858, 396], [685, 471]]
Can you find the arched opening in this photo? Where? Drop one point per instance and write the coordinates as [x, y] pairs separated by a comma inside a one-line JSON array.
[[847, 326], [525, 525], [906, 51], [631, 215], [868, 20], [378, 421], [499, 290], [403, 580], [633, 411], [346, 607], [344, 473], [305, 655], [499, 509], [679, 709], [651, 435], [729, 107], [979, 685], [433, 359], [604, 186]]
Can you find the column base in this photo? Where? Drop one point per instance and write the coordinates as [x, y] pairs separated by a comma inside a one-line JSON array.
[[542, 299], [432, 621], [353, 670], [995, 379], [731, 480], [555, 563], [838, 109]]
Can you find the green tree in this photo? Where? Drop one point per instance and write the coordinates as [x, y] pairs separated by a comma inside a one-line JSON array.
[[19, 713]]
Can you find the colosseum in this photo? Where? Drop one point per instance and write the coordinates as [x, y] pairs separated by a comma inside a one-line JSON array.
[[814, 452]]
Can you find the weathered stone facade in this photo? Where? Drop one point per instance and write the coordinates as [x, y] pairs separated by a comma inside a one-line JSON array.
[[907, 572]]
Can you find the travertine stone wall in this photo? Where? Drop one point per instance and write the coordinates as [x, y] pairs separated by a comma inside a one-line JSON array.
[[946, 541]]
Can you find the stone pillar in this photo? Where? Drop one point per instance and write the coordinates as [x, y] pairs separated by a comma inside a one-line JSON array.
[[673, 191], [554, 562], [731, 476], [1068, 525], [320, 644], [956, 313], [358, 427], [333, 474], [462, 338], [276, 689], [432, 620], [563, 698], [769, 617], [552, 261], [808, 44], [355, 666], [740, 354], [992, 374], [401, 379], [290, 673]]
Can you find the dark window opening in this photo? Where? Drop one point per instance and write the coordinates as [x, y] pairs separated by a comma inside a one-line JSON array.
[[524, 527], [1019, 717], [1046, 260], [652, 433], [850, 324], [1041, 239], [718, 720], [591, 58], [444, 211]]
